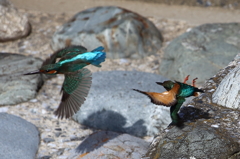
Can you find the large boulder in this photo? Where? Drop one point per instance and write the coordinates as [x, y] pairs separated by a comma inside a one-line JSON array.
[[113, 105], [201, 52], [19, 138], [228, 92], [14, 25], [15, 87], [196, 140], [123, 33]]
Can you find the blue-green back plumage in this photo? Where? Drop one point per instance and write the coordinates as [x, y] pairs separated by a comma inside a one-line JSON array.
[[187, 90], [71, 51], [73, 61]]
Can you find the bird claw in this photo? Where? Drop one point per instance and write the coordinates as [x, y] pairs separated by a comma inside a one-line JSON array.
[[194, 82], [186, 78]]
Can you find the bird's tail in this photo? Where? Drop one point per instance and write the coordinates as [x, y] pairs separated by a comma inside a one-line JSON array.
[[100, 57]]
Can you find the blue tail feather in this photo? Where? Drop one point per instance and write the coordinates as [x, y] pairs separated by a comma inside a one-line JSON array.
[[99, 59], [100, 48]]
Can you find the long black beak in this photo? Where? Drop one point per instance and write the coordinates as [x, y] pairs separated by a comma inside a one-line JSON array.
[[32, 73], [160, 83]]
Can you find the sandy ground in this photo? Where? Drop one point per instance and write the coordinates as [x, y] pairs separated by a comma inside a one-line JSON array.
[[193, 15]]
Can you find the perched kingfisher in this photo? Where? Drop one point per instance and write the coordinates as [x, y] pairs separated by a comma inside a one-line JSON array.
[[77, 80], [174, 97]]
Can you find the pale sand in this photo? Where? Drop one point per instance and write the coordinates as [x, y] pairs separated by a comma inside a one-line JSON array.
[[192, 15]]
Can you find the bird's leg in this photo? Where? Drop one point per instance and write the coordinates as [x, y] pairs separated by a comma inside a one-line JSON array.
[[194, 82], [186, 78]]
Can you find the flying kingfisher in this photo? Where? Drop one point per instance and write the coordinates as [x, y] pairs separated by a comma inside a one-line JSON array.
[[174, 97], [77, 80]]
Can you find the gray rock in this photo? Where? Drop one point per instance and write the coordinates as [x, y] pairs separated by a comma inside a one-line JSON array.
[[14, 87], [228, 92], [201, 52], [14, 25], [113, 105], [107, 144], [196, 140], [18, 138], [123, 33]]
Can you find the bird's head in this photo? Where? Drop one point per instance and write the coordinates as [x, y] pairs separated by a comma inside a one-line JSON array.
[[168, 85], [50, 69]]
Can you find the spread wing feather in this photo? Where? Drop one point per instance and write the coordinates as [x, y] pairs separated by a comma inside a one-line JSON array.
[[75, 90]]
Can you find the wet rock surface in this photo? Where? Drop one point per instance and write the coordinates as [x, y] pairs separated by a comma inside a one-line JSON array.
[[204, 116], [14, 25], [113, 105], [107, 144], [206, 48], [19, 138], [15, 87], [123, 33]]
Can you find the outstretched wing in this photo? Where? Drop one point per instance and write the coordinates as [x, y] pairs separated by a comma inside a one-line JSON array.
[[165, 98], [75, 90]]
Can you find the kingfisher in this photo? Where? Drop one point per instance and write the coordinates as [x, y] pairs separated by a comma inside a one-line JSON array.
[[78, 79], [174, 97]]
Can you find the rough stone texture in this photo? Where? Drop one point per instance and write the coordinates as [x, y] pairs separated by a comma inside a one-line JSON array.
[[202, 116], [14, 25], [15, 87], [18, 138], [124, 34], [201, 52], [108, 145], [113, 105], [196, 140], [228, 92]]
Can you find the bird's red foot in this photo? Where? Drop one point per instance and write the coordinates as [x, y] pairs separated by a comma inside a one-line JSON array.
[[194, 82], [186, 78]]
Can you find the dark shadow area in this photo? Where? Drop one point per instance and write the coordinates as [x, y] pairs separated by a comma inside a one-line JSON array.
[[187, 114], [192, 114], [113, 125], [112, 121]]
